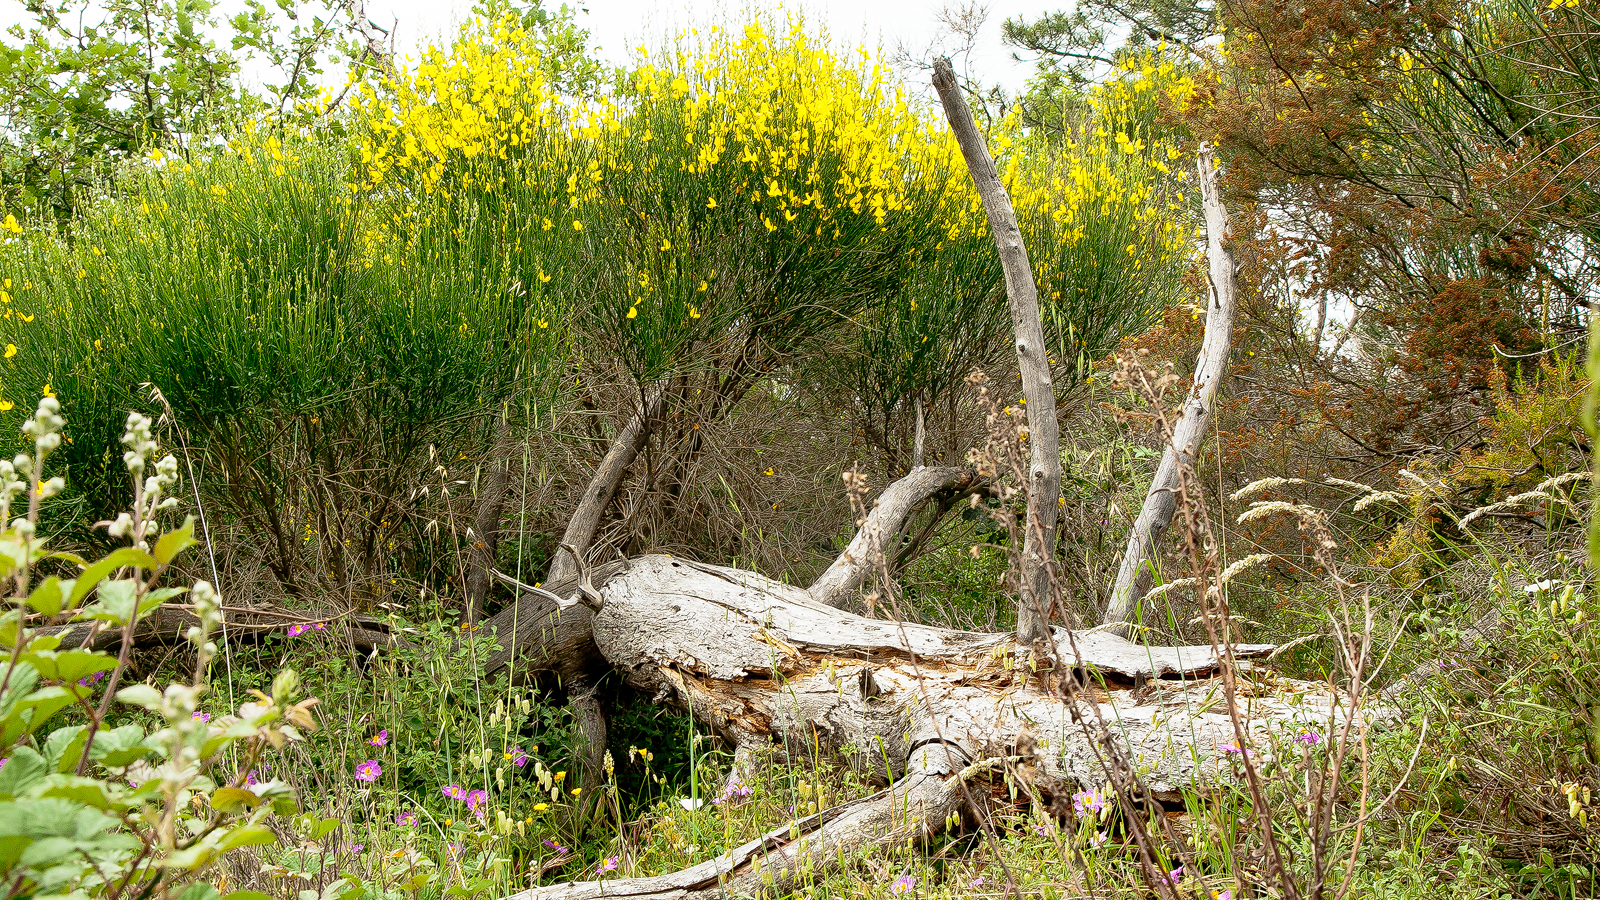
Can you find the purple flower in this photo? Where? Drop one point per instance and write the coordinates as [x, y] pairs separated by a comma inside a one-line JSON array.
[[1234, 747], [89, 680], [1099, 840], [560, 850], [455, 791], [1308, 737], [250, 778], [202, 717], [1225, 895], [476, 799], [518, 757], [368, 771], [381, 739], [407, 819], [1041, 829], [297, 629], [354, 848], [976, 882], [318, 626], [610, 865], [1087, 802], [454, 850], [905, 884], [736, 790], [1175, 875]]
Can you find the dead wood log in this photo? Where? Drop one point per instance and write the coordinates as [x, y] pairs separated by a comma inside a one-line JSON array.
[[1161, 503], [603, 485], [1033, 360], [759, 661], [842, 581]]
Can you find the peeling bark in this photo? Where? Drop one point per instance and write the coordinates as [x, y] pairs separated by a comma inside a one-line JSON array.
[[842, 581], [759, 661], [1161, 503]]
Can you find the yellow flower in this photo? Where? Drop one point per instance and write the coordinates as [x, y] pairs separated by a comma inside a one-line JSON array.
[[703, 286], [543, 278], [665, 245], [540, 807], [694, 313], [47, 392], [5, 405], [11, 224], [576, 791], [547, 225], [577, 226], [768, 472], [633, 312], [26, 317], [711, 203], [11, 350]]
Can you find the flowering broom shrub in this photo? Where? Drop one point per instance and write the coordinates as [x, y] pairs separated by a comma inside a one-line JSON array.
[[92, 810]]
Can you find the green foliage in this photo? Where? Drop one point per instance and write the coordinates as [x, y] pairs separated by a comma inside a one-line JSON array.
[[312, 347], [92, 810]]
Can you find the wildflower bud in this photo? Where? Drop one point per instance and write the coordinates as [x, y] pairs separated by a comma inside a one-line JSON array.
[[22, 527], [121, 526], [52, 487], [22, 463], [285, 686]]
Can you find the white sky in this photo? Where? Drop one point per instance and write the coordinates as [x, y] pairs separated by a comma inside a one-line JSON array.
[[618, 26]]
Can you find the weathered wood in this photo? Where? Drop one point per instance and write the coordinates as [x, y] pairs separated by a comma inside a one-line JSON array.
[[842, 581], [761, 661], [1033, 359], [1134, 575], [917, 805], [603, 485]]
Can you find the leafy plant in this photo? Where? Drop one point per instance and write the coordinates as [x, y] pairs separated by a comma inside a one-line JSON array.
[[91, 810]]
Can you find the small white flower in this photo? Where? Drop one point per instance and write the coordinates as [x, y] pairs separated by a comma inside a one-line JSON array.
[[1538, 587]]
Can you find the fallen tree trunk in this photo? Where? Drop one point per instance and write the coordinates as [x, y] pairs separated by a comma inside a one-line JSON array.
[[764, 663]]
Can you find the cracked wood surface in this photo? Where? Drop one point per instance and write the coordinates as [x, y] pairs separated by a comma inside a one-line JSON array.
[[759, 660]]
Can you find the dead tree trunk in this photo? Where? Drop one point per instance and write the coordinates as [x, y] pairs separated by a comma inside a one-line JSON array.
[[1135, 573], [1033, 360], [876, 533], [603, 486], [764, 663]]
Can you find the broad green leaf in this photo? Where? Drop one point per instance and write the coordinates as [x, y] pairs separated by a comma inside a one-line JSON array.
[[64, 747], [116, 602], [140, 695], [69, 666], [245, 836], [119, 747], [23, 769], [11, 846], [50, 597], [23, 678], [200, 890], [233, 800], [172, 543], [88, 791], [32, 711], [116, 559], [247, 895]]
